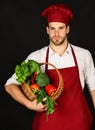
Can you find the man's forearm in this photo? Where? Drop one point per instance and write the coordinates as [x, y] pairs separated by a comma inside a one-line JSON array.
[[93, 97], [15, 92]]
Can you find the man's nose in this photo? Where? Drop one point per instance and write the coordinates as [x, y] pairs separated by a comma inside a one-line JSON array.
[[56, 32]]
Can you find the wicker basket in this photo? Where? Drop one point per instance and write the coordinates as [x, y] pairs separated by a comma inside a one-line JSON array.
[[27, 91]]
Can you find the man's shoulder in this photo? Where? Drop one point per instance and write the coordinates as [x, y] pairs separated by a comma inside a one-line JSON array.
[[80, 49], [38, 54]]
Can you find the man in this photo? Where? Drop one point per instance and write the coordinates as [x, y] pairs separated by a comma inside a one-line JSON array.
[[77, 68]]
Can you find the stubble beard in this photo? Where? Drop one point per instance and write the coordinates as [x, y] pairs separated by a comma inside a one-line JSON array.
[[58, 43]]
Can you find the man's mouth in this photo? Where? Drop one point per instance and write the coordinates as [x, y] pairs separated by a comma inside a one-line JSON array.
[[57, 38]]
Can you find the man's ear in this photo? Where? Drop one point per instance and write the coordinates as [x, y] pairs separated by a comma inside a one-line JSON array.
[[47, 30], [68, 29]]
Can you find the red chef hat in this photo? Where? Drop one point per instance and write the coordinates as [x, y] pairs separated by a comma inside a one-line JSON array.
[[58, 13]]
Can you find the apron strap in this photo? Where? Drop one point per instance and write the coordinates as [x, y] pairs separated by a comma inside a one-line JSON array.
[[47, 53], [75, 60]]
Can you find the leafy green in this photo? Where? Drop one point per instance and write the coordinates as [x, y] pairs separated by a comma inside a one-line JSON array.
[[42, 79], [50, 105], [26, 69], [49, 102]]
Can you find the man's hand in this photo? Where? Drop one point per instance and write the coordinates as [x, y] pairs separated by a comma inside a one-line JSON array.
[[40, 107]]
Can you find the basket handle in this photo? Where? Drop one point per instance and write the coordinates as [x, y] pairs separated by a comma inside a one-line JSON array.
[[60, 85]]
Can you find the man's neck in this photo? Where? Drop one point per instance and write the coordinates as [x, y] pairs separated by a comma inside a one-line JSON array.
[[59, 49]]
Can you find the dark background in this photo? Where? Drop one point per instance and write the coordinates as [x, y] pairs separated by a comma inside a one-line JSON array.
[[22, 30]]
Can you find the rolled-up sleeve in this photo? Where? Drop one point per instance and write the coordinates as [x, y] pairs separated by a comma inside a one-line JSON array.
[[90, 71], [12, 80]]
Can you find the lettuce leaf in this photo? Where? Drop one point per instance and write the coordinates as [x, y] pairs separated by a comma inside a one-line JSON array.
[[26, 69]]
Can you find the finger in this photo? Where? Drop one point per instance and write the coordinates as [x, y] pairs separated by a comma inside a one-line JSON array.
[[45, 108]]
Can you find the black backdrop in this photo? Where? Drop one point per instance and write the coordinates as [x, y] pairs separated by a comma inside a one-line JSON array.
[[22, 31]]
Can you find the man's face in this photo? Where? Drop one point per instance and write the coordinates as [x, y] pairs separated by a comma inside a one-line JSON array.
[[57, 32]]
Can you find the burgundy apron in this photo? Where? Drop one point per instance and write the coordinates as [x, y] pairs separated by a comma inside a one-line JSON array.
[[72, 111]]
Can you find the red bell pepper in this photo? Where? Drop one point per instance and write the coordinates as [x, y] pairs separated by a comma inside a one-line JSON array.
[[50, 89]]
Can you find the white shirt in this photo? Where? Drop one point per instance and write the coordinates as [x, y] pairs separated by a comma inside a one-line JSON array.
[[84, 60]]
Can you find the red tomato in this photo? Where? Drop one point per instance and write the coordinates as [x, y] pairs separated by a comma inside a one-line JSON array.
[[35, 87]]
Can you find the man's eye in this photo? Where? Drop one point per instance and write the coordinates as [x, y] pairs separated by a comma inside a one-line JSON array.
[[61, 28], [51, 28]]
